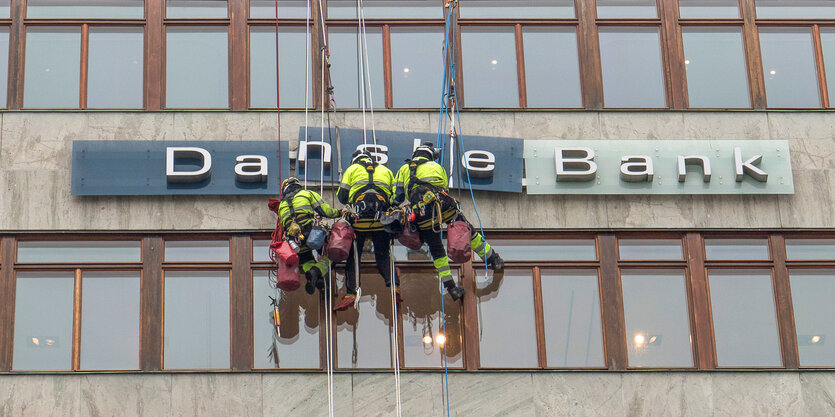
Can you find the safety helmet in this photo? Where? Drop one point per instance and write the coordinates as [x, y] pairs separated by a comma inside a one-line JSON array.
[[426, 150], [289, 185], [359, 153]]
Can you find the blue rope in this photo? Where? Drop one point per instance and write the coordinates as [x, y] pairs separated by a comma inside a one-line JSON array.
[[450, 17]]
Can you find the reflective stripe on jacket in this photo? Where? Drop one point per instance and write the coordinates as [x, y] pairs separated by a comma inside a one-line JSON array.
[[428, 171], [355, 179], [305, 204]]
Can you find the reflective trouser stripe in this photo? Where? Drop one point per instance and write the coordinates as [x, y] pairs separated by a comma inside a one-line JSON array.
[[481, 247], [442, 266], [367, 225], [323, 264], [426, 224]]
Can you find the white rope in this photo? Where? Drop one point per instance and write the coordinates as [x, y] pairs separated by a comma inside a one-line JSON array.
[[329, 338], [322, 155], [306, 78], [367, 76], [361, 70], [395, 332]]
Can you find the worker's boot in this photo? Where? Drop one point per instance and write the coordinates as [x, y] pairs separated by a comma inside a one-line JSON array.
[[495, 262], [454, 291], [313, 275], [346, 303], [320, 281]]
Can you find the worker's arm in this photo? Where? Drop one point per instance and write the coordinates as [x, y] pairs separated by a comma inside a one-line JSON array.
[[345, 185], [321, 207], [400, 180]]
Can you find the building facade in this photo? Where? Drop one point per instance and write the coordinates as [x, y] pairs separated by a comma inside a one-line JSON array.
[[630, 302]]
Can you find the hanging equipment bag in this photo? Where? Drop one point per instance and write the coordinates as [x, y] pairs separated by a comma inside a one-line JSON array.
[[316, 238], [288, 276], [339, 243], [284, 252], [410, 238], [458, 242]]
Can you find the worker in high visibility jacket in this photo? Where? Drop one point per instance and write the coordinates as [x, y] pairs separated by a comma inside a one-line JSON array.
[[297, 211], [367, 187], [424, 183]]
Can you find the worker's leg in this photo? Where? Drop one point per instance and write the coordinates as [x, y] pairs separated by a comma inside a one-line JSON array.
[[441, 262], [382, 253], [311, 274]]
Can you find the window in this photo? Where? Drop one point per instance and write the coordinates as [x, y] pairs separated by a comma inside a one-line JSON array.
[[294, 50], [789, 67], [507, 330], [43, 324], [115, 68], [657, 319], [345, 75], [618, 9], [552, 67], [287, 9], [708, 9], [4, 63], [53, 72], [631, 62], [812, 291], [571, 310], [416, 66], [812, 249], [386, 9], [828, 51], [650, 249], [714, 60], [744, 318], [363, 335], [110, 320], [751, 249], [195, 9], [517, 9], [489, 60], [78, 251], [424, 338], [69, 9], [196, 333], [197, 67], [545, 250], [793, 9], [197, 251]]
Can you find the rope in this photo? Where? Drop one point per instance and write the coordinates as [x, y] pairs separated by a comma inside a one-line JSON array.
[[361, 71], [368, 75], [394, 334]]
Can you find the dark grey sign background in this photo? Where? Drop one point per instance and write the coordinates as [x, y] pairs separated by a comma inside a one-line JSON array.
[[138, 168], [507, 175]]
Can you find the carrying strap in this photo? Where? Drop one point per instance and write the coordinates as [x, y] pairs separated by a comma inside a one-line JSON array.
[[370, 167], [415, 181]]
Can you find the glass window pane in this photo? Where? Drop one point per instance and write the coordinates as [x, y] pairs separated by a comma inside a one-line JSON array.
[[718, 249], [287, 9], [402, 253], [813, 312], [789, 67], [657, 321], [43, 321], [795, 9], [197, 251], [571, 307], [293, 50], [631, 60], [363, 336], [744, 318], [421, 312], [261, 250], [613, 9], [53, 67], [387, 9], [708, 9], [298, 340], [110, 320], [79, 251], [5, 9], [545, 249], [507, 327], [115, 68], [345, 76], [490, 66], [552, 67], [195, 9], [714, 60], [810, 249], [4, 63], [196, 67], [196, 320], [516, 9], [417, 66], [828, 50], [98, 9], [650, 249]]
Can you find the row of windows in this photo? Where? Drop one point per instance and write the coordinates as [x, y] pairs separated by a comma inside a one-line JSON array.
[[540, 62], [558, 304]]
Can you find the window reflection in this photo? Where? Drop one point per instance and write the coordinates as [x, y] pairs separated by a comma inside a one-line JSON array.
[[115, 68], [416, 66], [197, 67], [43, 323], [708, 9], [195, 9], [613, 9], [298, 339], [196, 333], [657, 319], [345, 75], [387, 9], [744, 318], [789, 67], [795, 9], [507, 327], [749, 249], [293, 49], [811, 249], [631, 61], [489, 59], [813, 312], [287, 9], [197, 251], [53, 69], [363, 336], [424, 337], [261, 250], [516, 9], [552, 67], [650, 249], [714, 60], [545, 249], [78, 251], [110, 320], [99, 9], [571, 309]]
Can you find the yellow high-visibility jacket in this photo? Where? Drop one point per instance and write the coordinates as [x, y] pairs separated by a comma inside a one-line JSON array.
[[428, 171], [355, 181], [305, 204]]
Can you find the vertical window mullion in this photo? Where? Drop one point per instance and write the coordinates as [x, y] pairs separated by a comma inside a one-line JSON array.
[[85, 60], [614, 327], [673, 55], [240, 290], [822, 82], [539, 317], [154, 88], [783, 301], [387, 82], [76, 327], [753, 55], [520, 67], [7, 302], [238, 49], [150, 354], [702, 329]]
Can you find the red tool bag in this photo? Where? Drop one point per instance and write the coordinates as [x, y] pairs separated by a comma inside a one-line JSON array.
[[458, 242], [280, 248], [339, 243], [288, 276], [410, 238]]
